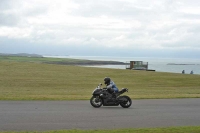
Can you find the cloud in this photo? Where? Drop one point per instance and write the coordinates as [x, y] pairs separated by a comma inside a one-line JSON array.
[[113, 24]]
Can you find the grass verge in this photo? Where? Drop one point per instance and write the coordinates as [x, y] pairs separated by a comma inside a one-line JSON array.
[[191, 129]]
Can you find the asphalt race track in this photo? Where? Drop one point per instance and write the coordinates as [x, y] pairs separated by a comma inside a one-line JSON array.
[[58, 115]]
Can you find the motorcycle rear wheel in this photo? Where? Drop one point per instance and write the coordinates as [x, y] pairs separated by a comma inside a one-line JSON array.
[[127, 102], [96, 101]]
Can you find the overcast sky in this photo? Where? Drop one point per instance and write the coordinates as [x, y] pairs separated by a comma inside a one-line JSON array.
[[164, 28]]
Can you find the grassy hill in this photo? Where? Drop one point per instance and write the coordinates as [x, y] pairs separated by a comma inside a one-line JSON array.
[[36, 81], [61, 61]]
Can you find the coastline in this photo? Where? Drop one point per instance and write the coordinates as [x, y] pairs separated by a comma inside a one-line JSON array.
[[158, 64]]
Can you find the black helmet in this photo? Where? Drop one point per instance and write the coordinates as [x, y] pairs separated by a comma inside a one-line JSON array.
[[107, 80]]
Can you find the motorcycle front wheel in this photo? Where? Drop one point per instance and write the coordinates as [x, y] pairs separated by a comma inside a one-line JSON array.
[[96, 102], [126, 103]]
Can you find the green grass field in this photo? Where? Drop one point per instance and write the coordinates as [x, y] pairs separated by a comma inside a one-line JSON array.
[[38, 81]]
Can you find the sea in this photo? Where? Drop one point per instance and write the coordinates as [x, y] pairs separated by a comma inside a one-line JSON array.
[[171, 65]]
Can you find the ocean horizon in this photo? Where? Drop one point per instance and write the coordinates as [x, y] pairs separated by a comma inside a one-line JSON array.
[[172, 65]]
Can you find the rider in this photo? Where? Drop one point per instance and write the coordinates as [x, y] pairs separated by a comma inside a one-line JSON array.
[[111, 85]]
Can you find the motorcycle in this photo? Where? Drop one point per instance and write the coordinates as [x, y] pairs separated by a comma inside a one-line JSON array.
[[103, 96]]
